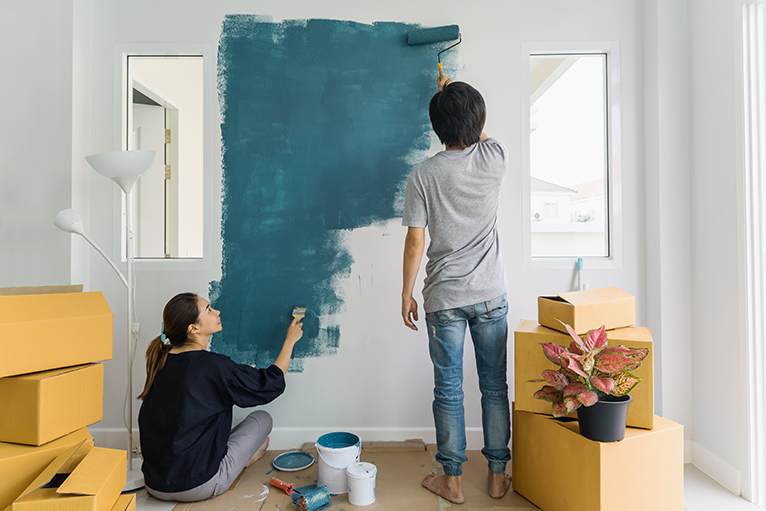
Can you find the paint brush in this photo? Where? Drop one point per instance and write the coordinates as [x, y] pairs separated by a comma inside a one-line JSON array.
[[299, 312], [308, 501]]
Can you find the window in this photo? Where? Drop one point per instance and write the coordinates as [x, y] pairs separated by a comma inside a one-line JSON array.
[[571, 146], [165, 114]]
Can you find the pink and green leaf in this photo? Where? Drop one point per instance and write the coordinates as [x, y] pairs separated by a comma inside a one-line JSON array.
[[555, 378], [553, 352], [620, 358], [571, 375], [580, 344], [624, 383], [549, 393], [588, 398], [569, 362], [573, 348], [571, 404], [595, 340], [559, 409], [603, 383], [575, 388]]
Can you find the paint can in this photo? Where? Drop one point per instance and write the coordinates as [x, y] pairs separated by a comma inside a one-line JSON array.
[[361, 484], [336, 452]]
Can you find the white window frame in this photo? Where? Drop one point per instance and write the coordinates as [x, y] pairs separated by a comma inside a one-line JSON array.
[[211, 137], [613, 147], [751, 139]]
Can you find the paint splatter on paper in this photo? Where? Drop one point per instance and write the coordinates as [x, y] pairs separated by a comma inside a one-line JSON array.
[[321, 119]]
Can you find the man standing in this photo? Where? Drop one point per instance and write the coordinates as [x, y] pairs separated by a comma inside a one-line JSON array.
[[455, 194]]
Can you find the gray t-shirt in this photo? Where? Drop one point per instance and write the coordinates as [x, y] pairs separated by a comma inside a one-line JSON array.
[[455, 194]]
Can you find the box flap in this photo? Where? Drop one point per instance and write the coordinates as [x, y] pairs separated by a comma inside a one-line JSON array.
[[39, 290], [125, 502], [48, 307], [42, 375], [51, 470], [90, 475], [603, 294]]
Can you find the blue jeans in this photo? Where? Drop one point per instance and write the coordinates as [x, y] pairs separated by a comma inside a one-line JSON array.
[[489, 332]]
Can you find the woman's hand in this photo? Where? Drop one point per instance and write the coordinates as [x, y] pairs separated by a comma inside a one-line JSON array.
[[294, 332]]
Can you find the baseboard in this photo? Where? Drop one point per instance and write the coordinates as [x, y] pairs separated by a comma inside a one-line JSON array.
[[724, 473], [292, 438]]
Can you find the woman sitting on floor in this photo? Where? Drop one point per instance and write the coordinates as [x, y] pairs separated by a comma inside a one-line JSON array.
[[190, 451]]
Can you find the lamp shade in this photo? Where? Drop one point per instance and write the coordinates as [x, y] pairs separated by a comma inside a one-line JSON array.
[[69, 220], [123, 167]]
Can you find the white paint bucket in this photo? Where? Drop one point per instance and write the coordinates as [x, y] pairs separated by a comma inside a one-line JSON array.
[[336, 451], [361, 484]]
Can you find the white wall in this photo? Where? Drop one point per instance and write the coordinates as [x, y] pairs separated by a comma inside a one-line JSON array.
[[379, 384], [58, 99], [719, 400], [35, 141], [353, 389], [666, 204]]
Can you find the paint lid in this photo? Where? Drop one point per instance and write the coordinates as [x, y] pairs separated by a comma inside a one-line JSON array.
[[293, 461], [361, 470]]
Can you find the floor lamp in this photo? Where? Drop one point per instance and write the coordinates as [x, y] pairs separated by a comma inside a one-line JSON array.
[[124, 167]]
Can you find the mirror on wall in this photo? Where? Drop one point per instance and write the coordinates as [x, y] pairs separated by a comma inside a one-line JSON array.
[[165, 114]]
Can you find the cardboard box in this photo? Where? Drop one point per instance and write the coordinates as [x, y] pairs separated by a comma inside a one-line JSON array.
[[588, 310], [48, 331], [530, 362], [557, 469], [21, 464], [125, 503], [39, 407], [94, 484]]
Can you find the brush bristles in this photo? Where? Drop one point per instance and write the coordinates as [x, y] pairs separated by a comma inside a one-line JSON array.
[[299, 312]]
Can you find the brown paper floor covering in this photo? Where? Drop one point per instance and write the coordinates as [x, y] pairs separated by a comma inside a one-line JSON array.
[[401, 468]]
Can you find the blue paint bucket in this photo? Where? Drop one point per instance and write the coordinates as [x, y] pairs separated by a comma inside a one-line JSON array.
[[336, 452]]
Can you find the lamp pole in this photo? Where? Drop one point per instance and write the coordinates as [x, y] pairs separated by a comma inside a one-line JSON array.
[[124, 168]]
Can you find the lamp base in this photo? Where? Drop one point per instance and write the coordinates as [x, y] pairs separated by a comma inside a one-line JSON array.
[[135, 478]]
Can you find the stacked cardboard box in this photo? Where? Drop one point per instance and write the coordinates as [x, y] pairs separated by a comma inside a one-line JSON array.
[[50, 391], [554, 466]]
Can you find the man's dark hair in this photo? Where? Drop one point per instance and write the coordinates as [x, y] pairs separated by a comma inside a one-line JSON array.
[[458, 114]]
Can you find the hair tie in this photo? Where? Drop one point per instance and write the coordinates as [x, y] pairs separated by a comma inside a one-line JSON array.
[[163, 338]]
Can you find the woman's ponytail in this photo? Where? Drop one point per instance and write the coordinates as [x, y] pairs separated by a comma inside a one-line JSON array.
[[156, 355], [181, 311]]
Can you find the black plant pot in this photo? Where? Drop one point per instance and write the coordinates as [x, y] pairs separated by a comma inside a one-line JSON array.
[[604, 421]]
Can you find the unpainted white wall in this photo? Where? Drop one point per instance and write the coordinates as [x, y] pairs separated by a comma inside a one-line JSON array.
[[719, 398], [35, 141]]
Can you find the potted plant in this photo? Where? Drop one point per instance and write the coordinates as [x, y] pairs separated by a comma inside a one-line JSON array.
[[593, 378]]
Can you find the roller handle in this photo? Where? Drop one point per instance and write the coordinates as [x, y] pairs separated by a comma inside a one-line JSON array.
[[288, 488]]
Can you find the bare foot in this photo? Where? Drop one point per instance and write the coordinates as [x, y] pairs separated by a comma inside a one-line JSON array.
[[448, 487], [498, 484], [259, 453]]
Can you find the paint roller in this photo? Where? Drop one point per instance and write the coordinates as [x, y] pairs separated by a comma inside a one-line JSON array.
[[435, 35], [308, 501]]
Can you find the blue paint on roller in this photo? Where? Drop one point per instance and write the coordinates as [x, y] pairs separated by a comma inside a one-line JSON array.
[[433, 35], [320, 118]]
